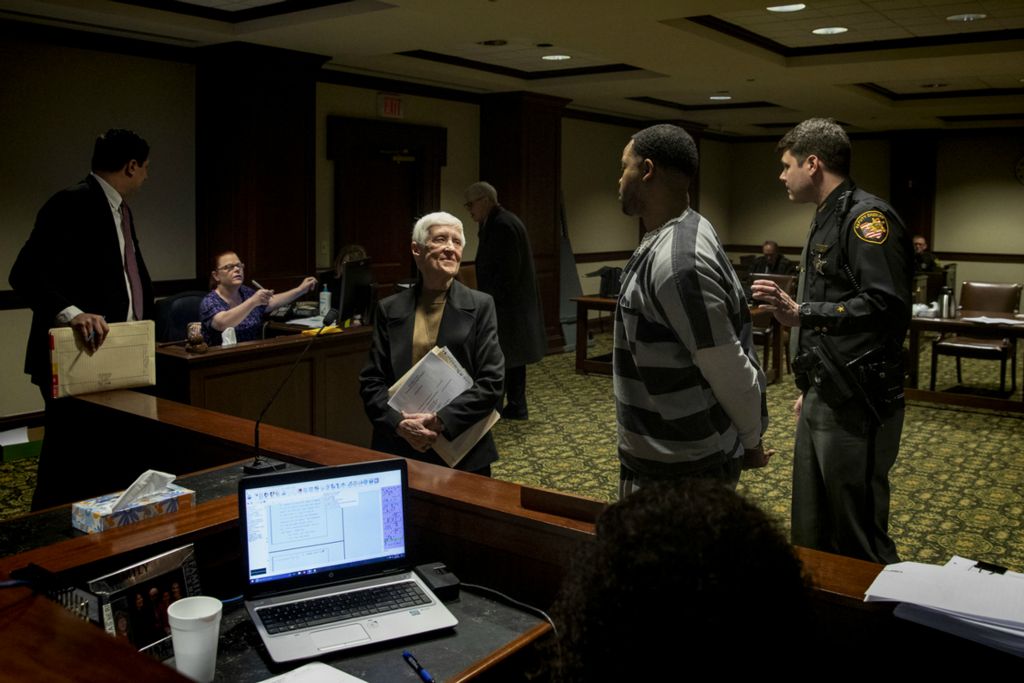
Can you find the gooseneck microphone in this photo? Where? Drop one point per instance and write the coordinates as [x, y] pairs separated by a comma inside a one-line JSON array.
[[258, 464]]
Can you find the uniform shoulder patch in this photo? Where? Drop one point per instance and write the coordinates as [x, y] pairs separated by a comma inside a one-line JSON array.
[[872, 226]]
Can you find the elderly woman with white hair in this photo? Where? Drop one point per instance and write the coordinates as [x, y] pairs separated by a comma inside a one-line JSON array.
[[438, 311]]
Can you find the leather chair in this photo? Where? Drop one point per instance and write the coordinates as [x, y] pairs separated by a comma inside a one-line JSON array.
[[991, 298], [761, 321], [174, 313]]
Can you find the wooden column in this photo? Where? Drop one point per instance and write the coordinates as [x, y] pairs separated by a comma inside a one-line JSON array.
[[255, 160], [521, 155], [912, 180]]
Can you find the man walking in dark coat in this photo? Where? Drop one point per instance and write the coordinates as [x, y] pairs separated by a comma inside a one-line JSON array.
[[504, 269]]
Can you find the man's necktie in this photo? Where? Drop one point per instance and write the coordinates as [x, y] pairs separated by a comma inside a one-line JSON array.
[[131, 264]]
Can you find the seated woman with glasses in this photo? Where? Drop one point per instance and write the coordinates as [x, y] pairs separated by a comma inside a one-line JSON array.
[[232, 304]]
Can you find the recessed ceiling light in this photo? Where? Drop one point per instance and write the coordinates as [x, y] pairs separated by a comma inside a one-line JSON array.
[[967, 16], [787, 8], [829, 30], [556, 58], [720, 97]]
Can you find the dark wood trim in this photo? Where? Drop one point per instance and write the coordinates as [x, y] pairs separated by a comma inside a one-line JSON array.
[[610, 119], [657, 101], [739, 33], [441, 58], [967, 118], [235, 16], [974, 257], [335, 77], [171, 287], [486, 665], [756, 248], [938, 94], [34, 419], [964, 400], [10, 301], [601, 256], [80, 34]]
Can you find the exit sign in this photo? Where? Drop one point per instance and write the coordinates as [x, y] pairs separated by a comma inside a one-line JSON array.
[[389, 106]]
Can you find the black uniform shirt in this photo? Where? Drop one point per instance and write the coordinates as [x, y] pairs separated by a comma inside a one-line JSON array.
[[858, 269]]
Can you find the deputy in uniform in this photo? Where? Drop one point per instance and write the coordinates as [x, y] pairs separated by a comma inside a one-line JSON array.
[[851, 319]]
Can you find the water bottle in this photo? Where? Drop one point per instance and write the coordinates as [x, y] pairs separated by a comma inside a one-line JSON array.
[[325, 301]]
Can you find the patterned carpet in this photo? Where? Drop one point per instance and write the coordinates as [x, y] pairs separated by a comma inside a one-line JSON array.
[[958, 485]]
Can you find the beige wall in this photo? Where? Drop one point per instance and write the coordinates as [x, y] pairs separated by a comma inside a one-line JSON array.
[[463, 124], [740, 184], [54, 101], [979, 204], [591, 164]]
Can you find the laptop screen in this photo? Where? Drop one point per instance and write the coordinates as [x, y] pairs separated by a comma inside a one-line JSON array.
[[322, 521]]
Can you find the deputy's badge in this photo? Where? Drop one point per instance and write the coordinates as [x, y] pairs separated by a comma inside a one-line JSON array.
[[871, 226], [840, 309], [819, 259], [819, 264]]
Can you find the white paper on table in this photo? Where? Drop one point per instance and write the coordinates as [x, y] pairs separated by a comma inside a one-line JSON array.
[[986, 320], [13, 437], [316, 672], [430, 385], [990, 598], [999, 637], [312, 322]]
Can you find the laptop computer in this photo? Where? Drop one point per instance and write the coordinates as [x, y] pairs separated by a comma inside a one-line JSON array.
[[316, 543]]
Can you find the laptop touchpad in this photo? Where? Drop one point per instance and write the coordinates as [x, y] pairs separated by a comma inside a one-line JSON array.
[[332, 638]]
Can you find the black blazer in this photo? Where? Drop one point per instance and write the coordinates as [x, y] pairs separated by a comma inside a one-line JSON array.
[[504, 269], [469, 330], [73, 257]]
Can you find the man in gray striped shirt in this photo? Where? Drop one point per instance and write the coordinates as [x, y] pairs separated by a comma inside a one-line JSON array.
[[689, 393]]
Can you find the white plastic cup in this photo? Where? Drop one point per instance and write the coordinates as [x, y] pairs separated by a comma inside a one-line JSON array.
[[195, 630]]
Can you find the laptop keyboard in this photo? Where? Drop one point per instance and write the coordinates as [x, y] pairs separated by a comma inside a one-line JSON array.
[[332, 608]]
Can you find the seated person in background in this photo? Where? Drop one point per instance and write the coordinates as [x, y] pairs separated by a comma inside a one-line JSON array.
[[924, 260], [232, 304], [771, 261], [332, 277], [682, 574], [438, 311], [358, 300]]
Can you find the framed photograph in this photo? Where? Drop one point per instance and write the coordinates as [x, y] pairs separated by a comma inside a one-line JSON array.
[[133, 601]]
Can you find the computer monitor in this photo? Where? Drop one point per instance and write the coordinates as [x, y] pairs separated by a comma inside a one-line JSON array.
[[354, 295]]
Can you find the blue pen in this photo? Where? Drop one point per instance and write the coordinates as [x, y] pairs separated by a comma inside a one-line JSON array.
[[420, 671]]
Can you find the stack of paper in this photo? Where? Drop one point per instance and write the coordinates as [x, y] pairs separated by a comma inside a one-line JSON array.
[[429, 386], [958, 598]]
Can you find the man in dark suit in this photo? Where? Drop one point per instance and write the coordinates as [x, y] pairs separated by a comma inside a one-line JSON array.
[[504, 269], [771, 261], [82, 267], [439, 311]]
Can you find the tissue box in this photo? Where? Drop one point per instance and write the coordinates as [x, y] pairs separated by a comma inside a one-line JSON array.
[[96, 514]]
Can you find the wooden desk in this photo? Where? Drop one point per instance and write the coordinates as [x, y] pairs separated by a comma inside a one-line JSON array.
[[585, 304], [959, 326], [321, 398], [477, 525]]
